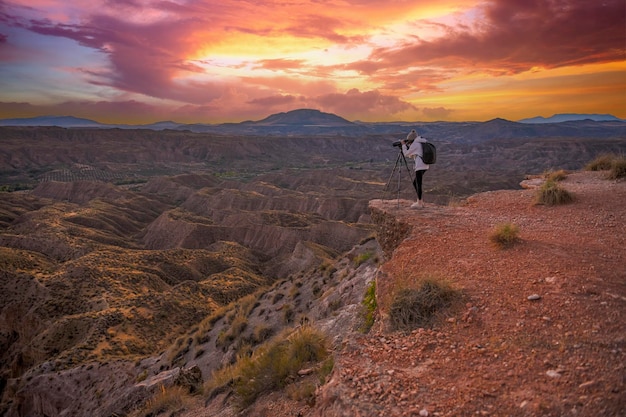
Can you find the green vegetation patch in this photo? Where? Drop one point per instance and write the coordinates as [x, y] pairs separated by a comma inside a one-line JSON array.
[[370, 305]]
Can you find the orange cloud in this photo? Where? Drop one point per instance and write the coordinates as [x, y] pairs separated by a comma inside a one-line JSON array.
[[224, 60]]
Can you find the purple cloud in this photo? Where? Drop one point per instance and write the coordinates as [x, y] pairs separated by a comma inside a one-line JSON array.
[[516, 36]]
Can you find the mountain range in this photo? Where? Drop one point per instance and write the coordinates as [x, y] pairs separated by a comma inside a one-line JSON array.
[[309, 121]]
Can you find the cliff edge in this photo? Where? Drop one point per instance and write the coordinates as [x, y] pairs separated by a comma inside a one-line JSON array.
[[541, 327]]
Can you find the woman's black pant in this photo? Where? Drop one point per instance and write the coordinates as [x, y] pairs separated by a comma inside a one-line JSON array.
[[417, 182]]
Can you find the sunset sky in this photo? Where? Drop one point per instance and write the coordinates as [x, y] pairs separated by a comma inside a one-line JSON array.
[[213, 61]]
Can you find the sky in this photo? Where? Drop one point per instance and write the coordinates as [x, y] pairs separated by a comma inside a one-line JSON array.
[[215, 61]]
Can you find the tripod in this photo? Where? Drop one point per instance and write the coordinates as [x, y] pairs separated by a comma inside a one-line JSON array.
[[397, 169]]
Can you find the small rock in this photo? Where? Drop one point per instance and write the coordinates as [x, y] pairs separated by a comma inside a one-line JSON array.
[[531, 184], [424, 412], [534, 297], [586, 384], [553, 374]]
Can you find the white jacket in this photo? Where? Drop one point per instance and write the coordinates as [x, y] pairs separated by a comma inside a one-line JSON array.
[[416, 151]]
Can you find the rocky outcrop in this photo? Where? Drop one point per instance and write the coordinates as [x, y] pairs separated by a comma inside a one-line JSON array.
[[391, 229]]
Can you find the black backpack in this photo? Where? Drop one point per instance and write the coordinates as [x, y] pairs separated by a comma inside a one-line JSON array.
[[429, 153]]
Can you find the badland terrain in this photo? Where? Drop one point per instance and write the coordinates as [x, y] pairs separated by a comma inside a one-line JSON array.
[[134, 259]]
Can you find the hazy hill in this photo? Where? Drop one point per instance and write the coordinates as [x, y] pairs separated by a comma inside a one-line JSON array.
[[569, 117], [61, 121]]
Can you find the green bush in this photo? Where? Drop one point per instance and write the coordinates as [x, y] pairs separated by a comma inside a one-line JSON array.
[[505, 235], [552, 194], [412, 308]]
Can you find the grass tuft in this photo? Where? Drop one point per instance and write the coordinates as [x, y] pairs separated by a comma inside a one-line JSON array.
[[272, 366], [362, 258], [552, 194], [618, 168], [412, 308], [556, 176], [168, 400], [601, 163], [504, 235]]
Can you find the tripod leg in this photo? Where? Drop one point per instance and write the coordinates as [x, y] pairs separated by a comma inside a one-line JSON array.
[[395, 167]]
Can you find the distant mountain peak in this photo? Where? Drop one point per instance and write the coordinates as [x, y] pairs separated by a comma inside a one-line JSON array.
[[499, 120], [305, 117]]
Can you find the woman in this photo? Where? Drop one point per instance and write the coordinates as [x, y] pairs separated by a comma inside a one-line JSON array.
[[414, 149]]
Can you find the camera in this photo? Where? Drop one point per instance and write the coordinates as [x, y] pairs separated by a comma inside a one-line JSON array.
[[398, 144]]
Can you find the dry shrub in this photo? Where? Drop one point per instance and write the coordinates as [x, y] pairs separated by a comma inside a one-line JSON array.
[[275, 364], [601, 163], [552, 194], [555, 176], [304, 391], [618, 168], [167, 400], [412, 308], [505, 235], [262, 333]]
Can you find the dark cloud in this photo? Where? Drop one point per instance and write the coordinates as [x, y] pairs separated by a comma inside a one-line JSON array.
[[517, 35], [145, 58]]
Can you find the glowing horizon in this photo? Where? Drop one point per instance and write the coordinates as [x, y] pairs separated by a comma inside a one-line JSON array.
[[213, 61]]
